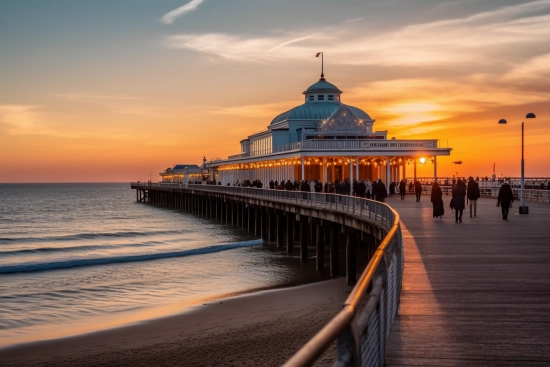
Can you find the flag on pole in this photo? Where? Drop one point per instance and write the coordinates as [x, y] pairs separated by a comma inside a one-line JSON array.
[[318, 53]]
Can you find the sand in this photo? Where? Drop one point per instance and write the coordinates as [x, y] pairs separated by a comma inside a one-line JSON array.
[[260, 329]]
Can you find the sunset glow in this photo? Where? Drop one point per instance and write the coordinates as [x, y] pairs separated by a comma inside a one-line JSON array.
[[116, 91]]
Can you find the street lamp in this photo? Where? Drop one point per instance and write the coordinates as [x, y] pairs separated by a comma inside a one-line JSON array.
[[522, 209]]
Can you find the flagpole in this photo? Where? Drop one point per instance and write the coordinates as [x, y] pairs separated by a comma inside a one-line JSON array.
[[322, 64]]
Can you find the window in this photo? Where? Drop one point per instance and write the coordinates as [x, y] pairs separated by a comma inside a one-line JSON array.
[[311, 98], [321, 97], [330, 97]]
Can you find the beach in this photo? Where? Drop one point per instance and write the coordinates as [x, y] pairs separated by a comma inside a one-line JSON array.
[[258, 329]]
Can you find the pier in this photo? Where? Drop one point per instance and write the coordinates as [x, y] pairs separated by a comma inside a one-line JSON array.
[[367, 233], [474, 293]]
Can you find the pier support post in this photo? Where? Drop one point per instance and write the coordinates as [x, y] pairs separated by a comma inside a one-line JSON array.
[[244, 212], [280, 229], [303, 238], [226, 211], [319, 246], [290, 219], [351, 268], [269, 219], [333, 244]]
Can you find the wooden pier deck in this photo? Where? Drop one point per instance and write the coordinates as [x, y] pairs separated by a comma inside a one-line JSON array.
[[476, 293]]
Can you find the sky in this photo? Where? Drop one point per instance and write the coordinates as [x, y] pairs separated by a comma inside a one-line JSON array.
[[119, 90]]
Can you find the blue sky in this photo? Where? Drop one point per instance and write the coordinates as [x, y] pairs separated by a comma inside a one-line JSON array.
[[86, 81]]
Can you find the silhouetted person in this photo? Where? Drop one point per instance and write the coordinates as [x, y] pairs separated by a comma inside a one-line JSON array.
[[473, 194], [437, 201], [418, 190], [505, 199], [459, 199]]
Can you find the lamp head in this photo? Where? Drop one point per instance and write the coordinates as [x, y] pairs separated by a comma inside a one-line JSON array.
[[502, 121], [530, 115]]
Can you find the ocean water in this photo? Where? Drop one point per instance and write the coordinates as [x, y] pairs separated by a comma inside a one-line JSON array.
[[76, 258]]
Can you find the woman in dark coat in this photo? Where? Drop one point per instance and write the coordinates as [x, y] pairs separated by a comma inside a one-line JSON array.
[[437, 201], [459, 200], [505, 198]]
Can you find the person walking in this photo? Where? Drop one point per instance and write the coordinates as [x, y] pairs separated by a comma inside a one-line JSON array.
[[459, 199], [369, 192], [437, 201], [505, 199], [380, 192], [418, 190], [473, 194], [402, 188]]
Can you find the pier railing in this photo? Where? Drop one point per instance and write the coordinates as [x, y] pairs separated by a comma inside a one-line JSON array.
[[363, 325]]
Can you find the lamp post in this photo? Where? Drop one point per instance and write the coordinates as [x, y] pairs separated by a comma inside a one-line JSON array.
[[523, 209]]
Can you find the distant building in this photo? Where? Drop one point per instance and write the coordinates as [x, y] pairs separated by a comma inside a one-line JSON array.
[[182, 173], [323, 139]]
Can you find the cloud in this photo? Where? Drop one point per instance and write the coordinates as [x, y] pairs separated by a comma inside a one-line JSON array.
[[352, 20], [169, 17], [21, 118], [484, 39], [94, 97]]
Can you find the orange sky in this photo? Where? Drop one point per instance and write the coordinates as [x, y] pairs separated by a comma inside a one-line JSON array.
[[118, 92]]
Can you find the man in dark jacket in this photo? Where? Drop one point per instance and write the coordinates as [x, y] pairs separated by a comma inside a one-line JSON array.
[[380, 191], [418, 190], [459, 199], [289, 186], [505, 199], [341, 189], [361, 189], [473, 194], [318, 186]]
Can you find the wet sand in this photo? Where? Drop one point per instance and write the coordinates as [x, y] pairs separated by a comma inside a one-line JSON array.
[[259, 329]]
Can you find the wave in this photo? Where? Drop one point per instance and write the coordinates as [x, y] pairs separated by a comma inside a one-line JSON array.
[[89, 235], [39, 250], [66, 264]]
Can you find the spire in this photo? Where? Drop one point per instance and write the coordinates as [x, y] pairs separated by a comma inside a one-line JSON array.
[[322, 64]]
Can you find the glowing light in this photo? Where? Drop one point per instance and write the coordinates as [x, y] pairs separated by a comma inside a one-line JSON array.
[[422, 160]]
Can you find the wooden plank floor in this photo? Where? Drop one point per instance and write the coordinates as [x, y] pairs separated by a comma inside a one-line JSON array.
[[475, 293]]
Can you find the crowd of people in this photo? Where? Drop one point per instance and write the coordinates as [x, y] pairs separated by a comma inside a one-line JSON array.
[[464, 193], [361, 188]]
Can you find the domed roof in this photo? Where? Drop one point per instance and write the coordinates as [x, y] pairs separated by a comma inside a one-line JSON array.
[[322, 86], [316, 111]]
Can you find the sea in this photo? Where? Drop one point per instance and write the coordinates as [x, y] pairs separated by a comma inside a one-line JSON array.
[[79, 258]]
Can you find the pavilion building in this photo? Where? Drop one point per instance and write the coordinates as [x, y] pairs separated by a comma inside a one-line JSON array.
[[184, 173], [323, 139]]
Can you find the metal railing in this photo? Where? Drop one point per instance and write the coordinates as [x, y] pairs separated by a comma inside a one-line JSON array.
[[338, 144], [363, 325]]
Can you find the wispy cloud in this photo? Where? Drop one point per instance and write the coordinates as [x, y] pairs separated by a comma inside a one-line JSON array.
[[352, 20], [20, 118], [484, 38], [94, 97], [290, 42], [169, 17]]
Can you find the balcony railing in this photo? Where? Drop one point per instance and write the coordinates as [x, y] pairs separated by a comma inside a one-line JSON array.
[[358, 144]]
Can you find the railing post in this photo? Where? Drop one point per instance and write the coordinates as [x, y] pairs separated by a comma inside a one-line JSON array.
[[347, 348]]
